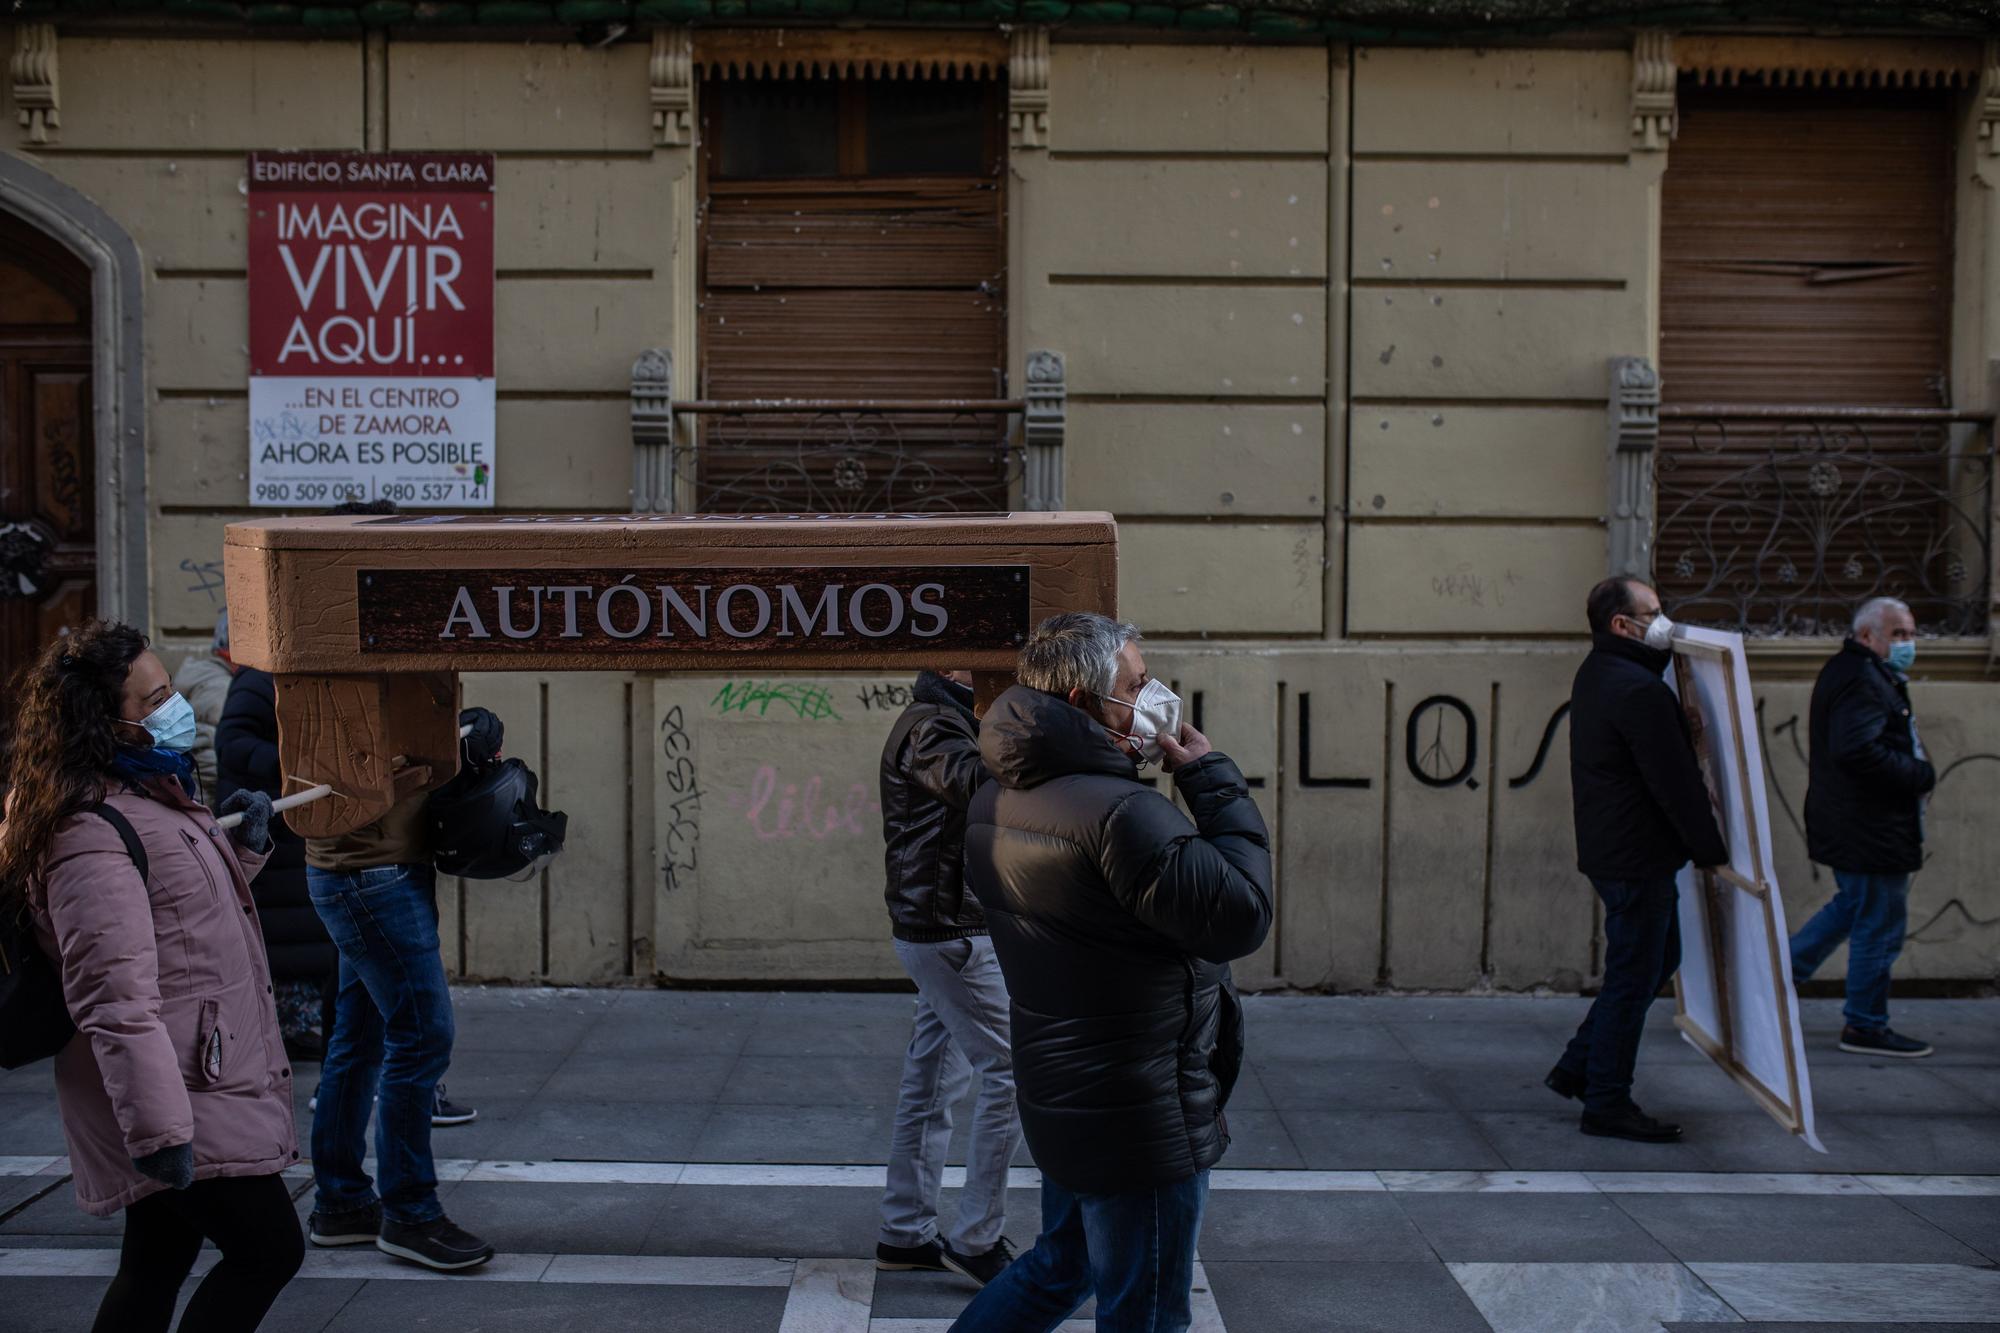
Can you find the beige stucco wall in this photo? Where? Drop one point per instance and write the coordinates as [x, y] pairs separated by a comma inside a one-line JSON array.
[[1336, 325]]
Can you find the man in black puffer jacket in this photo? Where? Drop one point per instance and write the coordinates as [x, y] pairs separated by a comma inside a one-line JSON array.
[[930, 770], [1115, 919], [1865, 819]]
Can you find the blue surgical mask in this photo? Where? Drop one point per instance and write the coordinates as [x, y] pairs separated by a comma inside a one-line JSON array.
[[1903, 654], [171, 725]]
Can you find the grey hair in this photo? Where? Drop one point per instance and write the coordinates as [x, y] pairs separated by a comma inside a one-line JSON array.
[[1869, 614], [221, 642], [1075, 650]]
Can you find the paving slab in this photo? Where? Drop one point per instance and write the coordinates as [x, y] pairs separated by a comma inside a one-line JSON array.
[[602, 1076], [1589, 1298], [1529, 1228], [1974, 1221], [564, 1219], [1857, 1293], [586, 1130], [1343, 1298], [775, 1223], [1349, 1085], [537, 1308], [1780, 1229], [1309, 1228], [1378, 1141]]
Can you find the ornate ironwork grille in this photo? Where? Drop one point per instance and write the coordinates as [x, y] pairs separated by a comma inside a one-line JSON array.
[[849, 456], [1780, 520]]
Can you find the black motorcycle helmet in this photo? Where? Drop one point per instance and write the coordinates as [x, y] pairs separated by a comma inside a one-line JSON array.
[[485, 823]]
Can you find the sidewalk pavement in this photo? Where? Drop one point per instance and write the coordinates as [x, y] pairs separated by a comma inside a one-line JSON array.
[[677, 1160]]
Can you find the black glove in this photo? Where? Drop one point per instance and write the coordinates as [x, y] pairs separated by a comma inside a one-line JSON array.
[[254, 833], [481, 745], [170, 1166]]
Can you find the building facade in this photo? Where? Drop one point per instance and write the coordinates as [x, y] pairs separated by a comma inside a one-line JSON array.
[[1383, 331]]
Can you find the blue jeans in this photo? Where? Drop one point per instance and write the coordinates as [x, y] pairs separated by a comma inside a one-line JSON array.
[[391, 1027], [1642, 948], [1869, 912], [1134, 1250]]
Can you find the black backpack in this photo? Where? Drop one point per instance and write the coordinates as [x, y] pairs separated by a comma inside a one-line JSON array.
[[34, 1020]]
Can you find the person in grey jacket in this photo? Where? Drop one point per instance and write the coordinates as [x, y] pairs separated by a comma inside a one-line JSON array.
[[930, 772]]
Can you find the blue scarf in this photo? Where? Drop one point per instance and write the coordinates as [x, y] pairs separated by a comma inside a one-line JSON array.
[[137, 765]]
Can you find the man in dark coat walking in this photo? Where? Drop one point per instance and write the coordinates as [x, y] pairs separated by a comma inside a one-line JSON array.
[[930, 771], [1115, 919], [303, 959], [1865, 801], [1642, 812]]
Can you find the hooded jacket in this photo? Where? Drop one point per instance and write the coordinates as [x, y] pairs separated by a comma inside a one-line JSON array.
[[1115, 919], [177, 1037], [1864, 798], [930, 770], [1642, 808]]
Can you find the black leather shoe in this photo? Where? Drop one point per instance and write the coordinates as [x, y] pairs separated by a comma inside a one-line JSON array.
[[1630, 1123], [439, 1243], [1563, 1083], [981, 1268], [925, 1258], [1882, 1041]]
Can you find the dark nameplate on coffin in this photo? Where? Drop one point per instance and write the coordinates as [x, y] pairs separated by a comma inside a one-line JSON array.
[[868, 610]]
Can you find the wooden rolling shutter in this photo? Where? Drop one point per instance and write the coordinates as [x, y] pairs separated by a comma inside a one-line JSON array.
[[1806, 260], [827, 276], [1806, 248]]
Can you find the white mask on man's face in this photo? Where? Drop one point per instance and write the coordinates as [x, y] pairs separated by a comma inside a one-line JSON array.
[[1660, 633], [1155, 713]]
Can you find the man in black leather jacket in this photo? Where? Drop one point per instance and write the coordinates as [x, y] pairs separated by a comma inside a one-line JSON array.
[[1642, 813], [1115, 919], [930, 770], [1865, 819]]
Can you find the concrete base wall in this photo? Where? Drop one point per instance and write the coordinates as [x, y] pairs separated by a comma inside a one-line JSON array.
[[729, 828]]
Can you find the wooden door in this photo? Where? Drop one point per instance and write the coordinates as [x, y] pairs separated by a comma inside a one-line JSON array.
[[48, 506]]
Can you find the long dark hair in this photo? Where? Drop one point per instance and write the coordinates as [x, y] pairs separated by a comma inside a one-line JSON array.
[[68, 699]]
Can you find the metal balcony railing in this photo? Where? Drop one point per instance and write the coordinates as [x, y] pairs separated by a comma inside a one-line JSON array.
[[853, 455], [1778, 520], [856, 455]]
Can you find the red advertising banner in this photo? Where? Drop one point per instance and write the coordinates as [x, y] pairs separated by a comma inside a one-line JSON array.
[[371, 264], [371, 328]]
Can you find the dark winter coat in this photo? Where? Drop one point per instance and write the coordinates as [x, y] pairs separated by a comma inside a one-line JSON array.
[[930, 770], [1864, 799], [1114, 919], [1642, 809], [246, 755]]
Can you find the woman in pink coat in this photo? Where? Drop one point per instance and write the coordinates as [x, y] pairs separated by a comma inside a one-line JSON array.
[[176, 1095]]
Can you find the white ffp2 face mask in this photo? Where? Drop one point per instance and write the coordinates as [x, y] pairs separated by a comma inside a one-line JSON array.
[[1155, 713], [1660, 634]]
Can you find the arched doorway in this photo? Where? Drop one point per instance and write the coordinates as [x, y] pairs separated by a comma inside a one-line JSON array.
[[48, 473]]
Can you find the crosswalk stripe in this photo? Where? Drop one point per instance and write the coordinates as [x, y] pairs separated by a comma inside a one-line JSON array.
[[789, 1175]]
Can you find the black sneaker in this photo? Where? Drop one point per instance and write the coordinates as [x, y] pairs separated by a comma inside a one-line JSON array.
[[349, 1226], [925, 1258], [981, 1268], [1630, 1123], [439, 1243], [445, 1111], [1563, 1083], [1882, 1041]]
